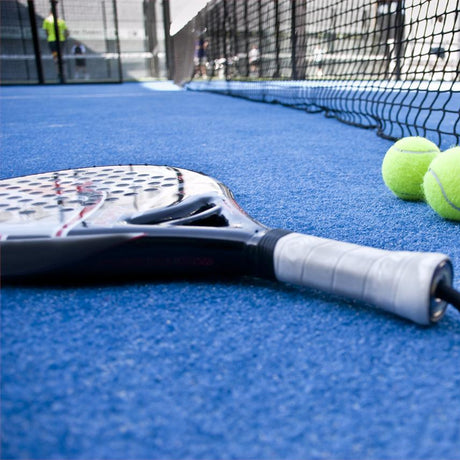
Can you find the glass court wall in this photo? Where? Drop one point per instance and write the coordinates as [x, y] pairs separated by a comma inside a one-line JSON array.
[[108, 41]]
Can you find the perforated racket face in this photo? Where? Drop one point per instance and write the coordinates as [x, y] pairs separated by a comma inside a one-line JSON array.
[[58, 203]]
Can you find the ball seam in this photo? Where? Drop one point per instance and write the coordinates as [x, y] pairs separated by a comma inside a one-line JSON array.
[[436, 178], [424, 152]]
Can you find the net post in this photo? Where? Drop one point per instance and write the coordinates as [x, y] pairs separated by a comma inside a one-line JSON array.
[[33, 27]]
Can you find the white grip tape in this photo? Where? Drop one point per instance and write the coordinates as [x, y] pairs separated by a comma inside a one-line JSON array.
[[396, 281]]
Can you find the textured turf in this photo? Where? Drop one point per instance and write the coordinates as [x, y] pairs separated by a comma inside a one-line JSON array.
[[247, 369]]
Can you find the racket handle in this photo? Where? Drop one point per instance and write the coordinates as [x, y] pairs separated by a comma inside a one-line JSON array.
[[403, 283]]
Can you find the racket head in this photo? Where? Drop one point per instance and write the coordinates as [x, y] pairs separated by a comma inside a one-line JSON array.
[[58, 203], [61, 219]]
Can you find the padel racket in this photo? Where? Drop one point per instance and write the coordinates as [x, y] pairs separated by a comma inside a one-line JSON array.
[[161, 221]]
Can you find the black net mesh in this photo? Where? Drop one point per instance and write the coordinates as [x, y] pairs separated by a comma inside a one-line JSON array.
[[388, 64]]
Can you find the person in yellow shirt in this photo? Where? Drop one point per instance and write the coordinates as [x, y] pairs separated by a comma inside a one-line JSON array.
[[48, 26]]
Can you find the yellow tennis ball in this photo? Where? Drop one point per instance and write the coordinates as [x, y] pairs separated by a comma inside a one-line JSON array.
[[405, 164], [441, 184]]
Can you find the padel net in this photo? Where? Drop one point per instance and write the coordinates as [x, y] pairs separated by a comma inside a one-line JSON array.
[[390, 65]]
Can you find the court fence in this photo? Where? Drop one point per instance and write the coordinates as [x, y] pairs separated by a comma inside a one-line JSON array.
[[106, 41], [392, 65]]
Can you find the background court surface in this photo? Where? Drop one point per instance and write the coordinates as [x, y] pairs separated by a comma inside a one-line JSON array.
[[247, 369]]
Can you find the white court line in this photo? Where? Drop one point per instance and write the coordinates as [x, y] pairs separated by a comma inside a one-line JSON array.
[[161, 86], [152, 86]]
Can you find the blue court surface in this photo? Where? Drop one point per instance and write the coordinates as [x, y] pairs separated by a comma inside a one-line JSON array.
[[244, 369]]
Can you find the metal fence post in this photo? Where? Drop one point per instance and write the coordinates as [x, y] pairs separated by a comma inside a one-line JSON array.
[[168, 41], [261, 54], [293, 41], [277, 41], [246, 37], [58, 42], [33, 27], [399, 37], [117, 41], [224, 28]]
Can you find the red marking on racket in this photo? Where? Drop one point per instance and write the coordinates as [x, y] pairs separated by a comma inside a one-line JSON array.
[[84, 213]]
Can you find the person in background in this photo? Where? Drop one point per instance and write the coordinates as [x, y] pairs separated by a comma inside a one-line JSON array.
[[201, 57], [254, 60], [79, 51], [48, 26]]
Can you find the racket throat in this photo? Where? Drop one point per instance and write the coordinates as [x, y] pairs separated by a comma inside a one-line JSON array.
[[259, 258]]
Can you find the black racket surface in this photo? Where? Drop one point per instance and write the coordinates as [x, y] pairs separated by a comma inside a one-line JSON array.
[[121, 220]]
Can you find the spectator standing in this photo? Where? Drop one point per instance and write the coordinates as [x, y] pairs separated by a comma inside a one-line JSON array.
[[79, 51], [63, 32]]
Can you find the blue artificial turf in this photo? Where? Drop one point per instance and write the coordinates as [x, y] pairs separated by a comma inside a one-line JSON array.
[[224, 370]]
